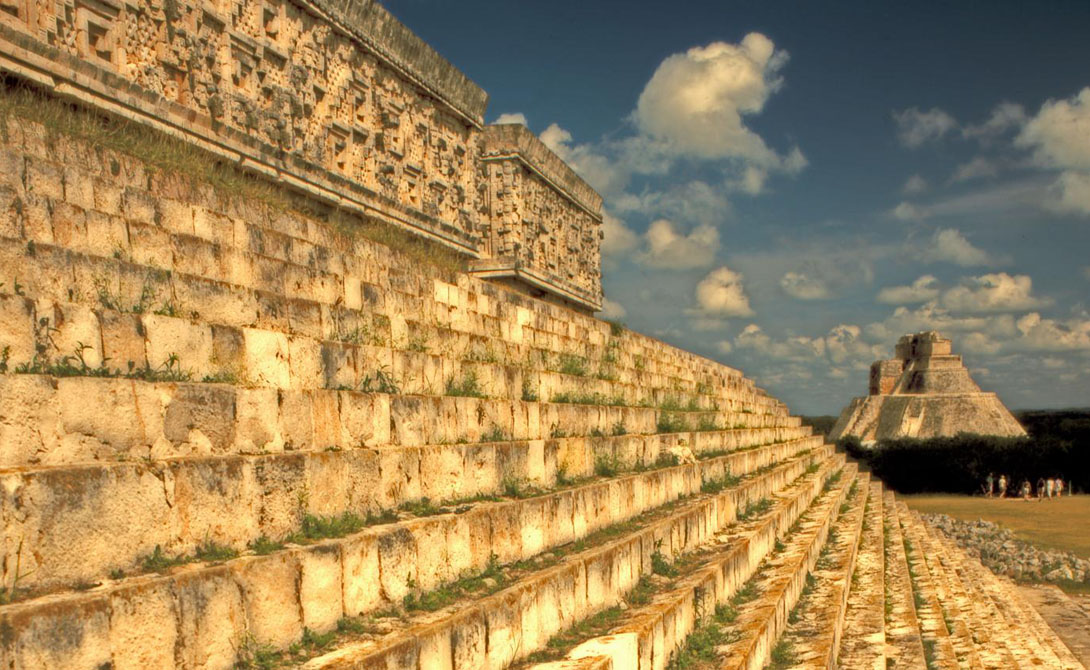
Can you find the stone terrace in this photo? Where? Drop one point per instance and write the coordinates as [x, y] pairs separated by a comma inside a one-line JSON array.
[[238, 432], [234, 436]]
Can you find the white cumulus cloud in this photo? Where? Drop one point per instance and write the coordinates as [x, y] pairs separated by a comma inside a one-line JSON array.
[[1059, 136], [695, 102], [801, 287], [721, 293], [617, 238], [950, 246], [1006, 116], [923, 289], [998, 292], [671, 249], [915, 127], [977, 168], [906, 211], [612, 309], [512, 117]]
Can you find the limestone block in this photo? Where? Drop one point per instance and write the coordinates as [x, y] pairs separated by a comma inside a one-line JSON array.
[[76, 638], [37, 218], [269, 586], [29, 426], [137, 204], [143, 627], [362, 591], [79, 187], [397, 554], [44, 178], [505, 638], [339, 366], [186, 343], [365, 418], [148, 244], [107, 196], [201, 414], [433, 565], [305, 362], [336, 481], [176, 217], [320, 588], [122, 340], [216, 500], [267, 360], [441, 471], [257, 421], [125, 418], [17, 317], [468, 642], [400, 471], [212, 621], [297, 419], [74, 332], [282, 481]]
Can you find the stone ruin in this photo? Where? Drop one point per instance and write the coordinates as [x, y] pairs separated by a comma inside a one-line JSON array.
[[236, 435], [924, 391]]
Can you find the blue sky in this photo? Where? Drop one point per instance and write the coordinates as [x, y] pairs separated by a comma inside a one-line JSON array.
[[791, 186]]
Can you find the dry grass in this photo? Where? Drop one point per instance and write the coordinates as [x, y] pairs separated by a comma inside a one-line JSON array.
[[1058, 524]]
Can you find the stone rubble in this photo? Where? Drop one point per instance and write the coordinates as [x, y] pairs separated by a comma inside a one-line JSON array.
[[1004, 554]]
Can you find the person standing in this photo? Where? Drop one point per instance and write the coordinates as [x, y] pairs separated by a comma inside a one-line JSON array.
[[1059, 486], [1002, 486], [990, 482], [1040, 489], [1050, 487]]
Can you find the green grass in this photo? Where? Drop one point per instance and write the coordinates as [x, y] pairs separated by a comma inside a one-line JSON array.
[[467, 387], [1058, 524]]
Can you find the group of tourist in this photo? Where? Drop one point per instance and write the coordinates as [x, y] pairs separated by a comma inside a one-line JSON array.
[[1052, 487]]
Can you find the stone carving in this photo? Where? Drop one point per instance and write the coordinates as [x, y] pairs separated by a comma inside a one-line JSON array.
[[336, 98], [924, 391]]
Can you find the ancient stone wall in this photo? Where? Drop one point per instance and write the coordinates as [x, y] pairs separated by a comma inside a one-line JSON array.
[[336, 99]]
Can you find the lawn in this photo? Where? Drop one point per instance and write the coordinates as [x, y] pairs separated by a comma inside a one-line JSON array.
[[1062, 524]]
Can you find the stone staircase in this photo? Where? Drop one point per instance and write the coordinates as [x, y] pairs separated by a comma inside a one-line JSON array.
[[234, 435]]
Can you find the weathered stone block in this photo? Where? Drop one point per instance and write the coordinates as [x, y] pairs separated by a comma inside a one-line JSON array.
[[269, 586]]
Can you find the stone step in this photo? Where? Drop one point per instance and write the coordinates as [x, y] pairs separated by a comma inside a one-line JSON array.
[[71, 288], [255, 357], [76, 525], [51, 420], [1008, 632], [208, 611], [519, 620], [815, 625], [649, 637], [862, 647], [903, 635], [976, 645], [939, 649], [779, 585]]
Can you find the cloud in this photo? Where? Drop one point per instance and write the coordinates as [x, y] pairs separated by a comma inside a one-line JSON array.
[[932, 316], [915, 184], [1059, 136], [923, 289], [617, 238], [974, 169], [612, 310], [802, 287], [1038, 334], [1072, 193], [1004, 117], [950, 246], [695, 101], [670, 249], [915, 127], [1086, 271], [999, 292], [724, 346], [721, 294], [693, 201], [906, 211], [512, 117], [842, 345]]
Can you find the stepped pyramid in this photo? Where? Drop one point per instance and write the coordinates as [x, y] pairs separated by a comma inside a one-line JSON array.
[[924, 391], [236, 431]]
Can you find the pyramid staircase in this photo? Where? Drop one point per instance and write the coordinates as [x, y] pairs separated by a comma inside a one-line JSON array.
[[233, 436]]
